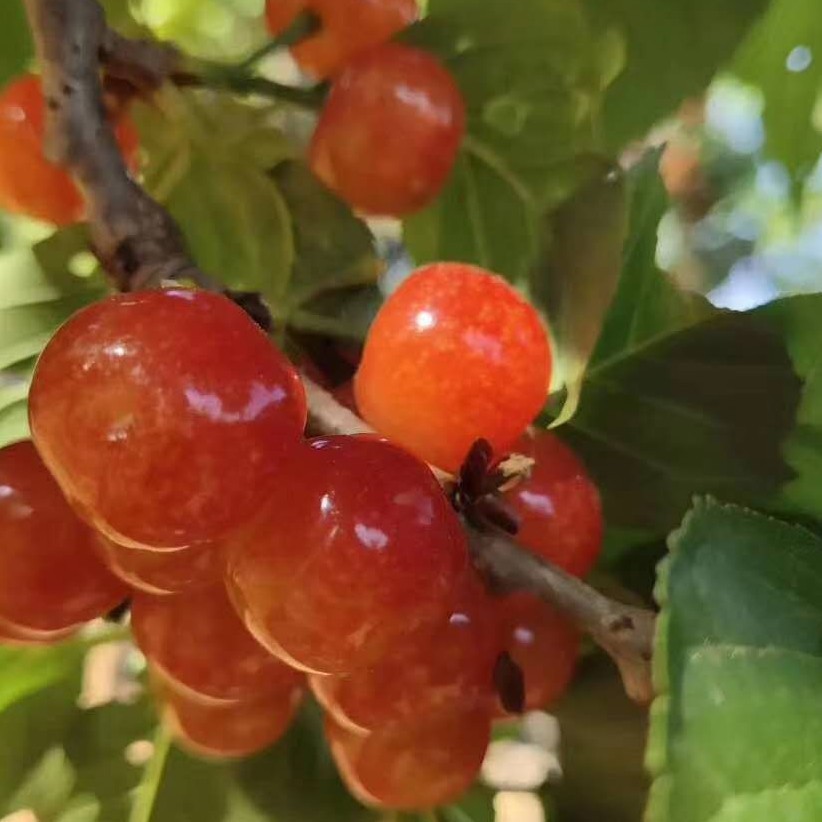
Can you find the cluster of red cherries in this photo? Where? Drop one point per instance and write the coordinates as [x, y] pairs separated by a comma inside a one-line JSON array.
[[385, 142], [169, 467]]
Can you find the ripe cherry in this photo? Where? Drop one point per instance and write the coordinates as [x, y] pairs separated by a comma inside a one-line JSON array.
[[164, 415], [390, 131], [413, 765], [347, 27], [357, 549], [51, 579], [29, 183], [454, 354], [229, 731], [164, 572], [558, 506], [542, 642], [196, 641], [432, 671]]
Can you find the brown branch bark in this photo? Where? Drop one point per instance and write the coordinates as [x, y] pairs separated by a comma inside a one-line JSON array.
[[140, 246]]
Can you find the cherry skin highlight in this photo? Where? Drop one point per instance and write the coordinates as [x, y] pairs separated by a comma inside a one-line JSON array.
[[29, 183], [390, 131], [415, 765], [196, 641], [51, 580], [454, 354], [163, 572], [227, 731], [347, 28], [358, 549], [164, 416], [543, 643], [431, 672], [558, 505]]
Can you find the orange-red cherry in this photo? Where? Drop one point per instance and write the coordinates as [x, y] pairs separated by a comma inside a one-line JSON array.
[[413, 765], [455, 354], [390, 131], [196, 641], [164, 572], [164, 415], [558, 505], [229, 731], [347, 27], [427, 673], [542, 642], [51, 579], [357, 549], [29, 183]]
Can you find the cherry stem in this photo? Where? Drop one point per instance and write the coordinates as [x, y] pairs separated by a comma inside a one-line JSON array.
[[304, 25], [145, 796], [140, 246]]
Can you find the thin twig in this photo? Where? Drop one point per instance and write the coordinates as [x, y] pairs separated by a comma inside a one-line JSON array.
[[140, 245]]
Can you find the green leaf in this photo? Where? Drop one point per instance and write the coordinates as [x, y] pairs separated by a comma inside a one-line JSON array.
[[679, 398], [671, 51], [95, 747], [333, 249], [42, 286], [38, 700], [208, 163], [799, 804], [294, 781], [578, 275], [738, 664], [603, 738], [781, 57], [16, 48], [703, 410], [530, 77]]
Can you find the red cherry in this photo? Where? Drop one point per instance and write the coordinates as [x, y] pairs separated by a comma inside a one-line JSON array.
[[357, 549], [454, 354], [51, 580], [196, 641], [29, 183], [164, 415], [558, 505], [543, 643], [348, 27], [430, 672], [390, 131], [164, 572], [416, 765], [227, 731]]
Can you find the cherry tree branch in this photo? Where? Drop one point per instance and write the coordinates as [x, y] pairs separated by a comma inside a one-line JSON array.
[[140, 246]]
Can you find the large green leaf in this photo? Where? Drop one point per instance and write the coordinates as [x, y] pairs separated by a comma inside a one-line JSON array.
[[679, 398], [738, 668], [208, 158], [782, 58], [671, 51], [531, 76]]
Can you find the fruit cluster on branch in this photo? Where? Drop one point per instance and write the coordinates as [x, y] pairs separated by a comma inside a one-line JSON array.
[[139, 245]]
